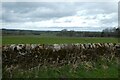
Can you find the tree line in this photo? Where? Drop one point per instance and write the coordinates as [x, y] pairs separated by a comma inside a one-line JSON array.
[[107, 32]]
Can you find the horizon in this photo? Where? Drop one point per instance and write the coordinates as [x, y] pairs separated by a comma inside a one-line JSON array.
[[55, 30]]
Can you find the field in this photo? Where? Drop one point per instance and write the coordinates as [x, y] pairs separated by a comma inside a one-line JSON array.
[[104, 67], [53, 40]]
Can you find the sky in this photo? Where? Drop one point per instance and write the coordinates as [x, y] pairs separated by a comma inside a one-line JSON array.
[[55, 16]]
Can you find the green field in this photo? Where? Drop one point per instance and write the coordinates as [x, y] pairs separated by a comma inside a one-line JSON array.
[[57, 40], [97, 70]]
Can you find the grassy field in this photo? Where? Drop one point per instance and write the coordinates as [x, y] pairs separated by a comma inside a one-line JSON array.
[[52, 40], [82, 71]]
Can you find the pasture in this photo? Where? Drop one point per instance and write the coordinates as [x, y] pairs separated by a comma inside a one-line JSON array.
[[54, 40], [105, 66]]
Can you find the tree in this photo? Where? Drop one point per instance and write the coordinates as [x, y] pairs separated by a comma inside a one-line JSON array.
[[64, 30], [109, 32]]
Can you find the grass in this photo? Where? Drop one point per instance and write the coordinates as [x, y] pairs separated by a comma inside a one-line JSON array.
[[52, 40], [67, 72], [64, 71]]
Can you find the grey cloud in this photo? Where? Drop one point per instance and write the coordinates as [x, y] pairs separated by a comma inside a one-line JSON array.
[[35, 11], [113, 19], [41, 11], [119, 14], [109, 21], [93, 9]]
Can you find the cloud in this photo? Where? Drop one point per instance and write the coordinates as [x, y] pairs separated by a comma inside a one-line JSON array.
[[35, 11], [37, 15]]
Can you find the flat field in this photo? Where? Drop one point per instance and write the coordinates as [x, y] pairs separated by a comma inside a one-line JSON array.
[[100, 69], [52, 40]]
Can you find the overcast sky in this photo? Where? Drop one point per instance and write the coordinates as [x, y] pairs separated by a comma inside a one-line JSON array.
[[78, 16]]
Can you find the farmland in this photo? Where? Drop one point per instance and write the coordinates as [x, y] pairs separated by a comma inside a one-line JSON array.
[[102, 66], [53, 39]]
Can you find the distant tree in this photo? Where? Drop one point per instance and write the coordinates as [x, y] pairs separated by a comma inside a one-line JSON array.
[[71, 33], [118, 32], [109, 32], [64, 30]]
